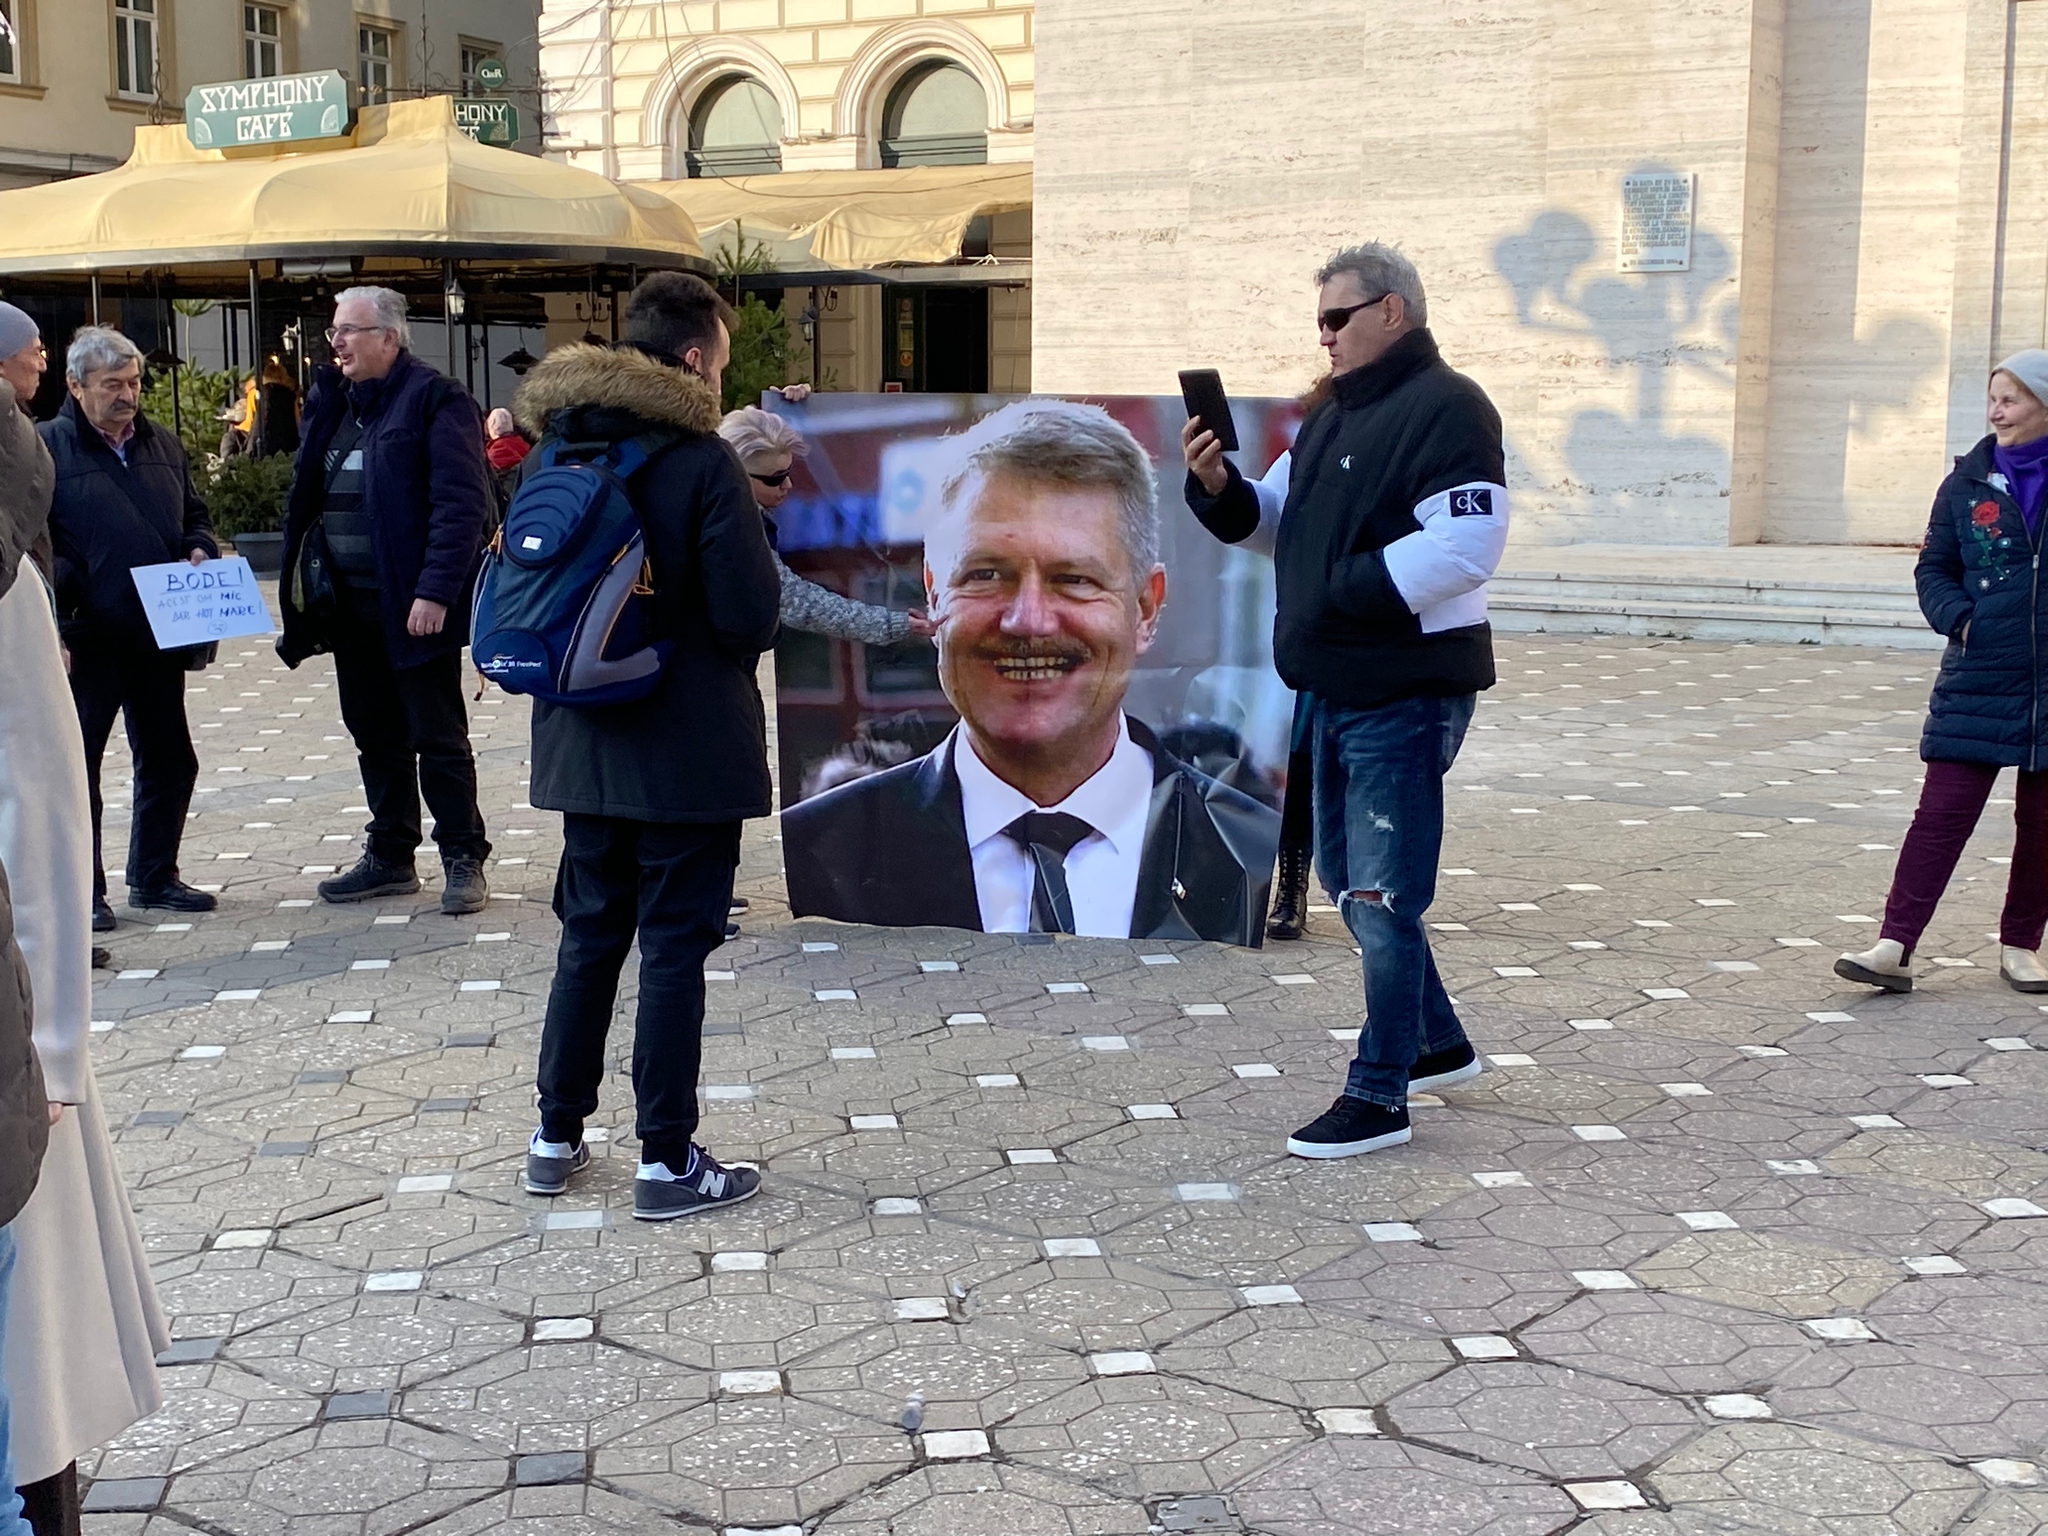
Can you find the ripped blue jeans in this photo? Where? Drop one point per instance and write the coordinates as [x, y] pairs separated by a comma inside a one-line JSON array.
[[1379, 808]]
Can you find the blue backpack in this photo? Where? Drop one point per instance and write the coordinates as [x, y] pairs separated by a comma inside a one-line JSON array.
[[562, 610]]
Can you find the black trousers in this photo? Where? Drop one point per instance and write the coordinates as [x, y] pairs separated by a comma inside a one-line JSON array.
[[412, 735], [671, 882], [147, 689], [51, 1505], [1297, 807]]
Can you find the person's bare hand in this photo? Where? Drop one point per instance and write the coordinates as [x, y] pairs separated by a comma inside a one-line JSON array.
[[923, 624], [1199, 447], [795, 394], [56, 1111], [65, 651], [426, 618], [197, 557]]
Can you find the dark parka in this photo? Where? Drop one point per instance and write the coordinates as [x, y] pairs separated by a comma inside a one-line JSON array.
[[24, 1112], [1980, 567], [108, 517], [426, 489], [696, 749]]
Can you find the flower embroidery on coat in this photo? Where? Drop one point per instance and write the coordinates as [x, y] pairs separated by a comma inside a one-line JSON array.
[[1985, 514]]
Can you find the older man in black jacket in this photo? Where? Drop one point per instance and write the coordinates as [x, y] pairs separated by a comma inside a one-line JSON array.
[[1396, 514], [653, 792], [125, 499], [382, 531]]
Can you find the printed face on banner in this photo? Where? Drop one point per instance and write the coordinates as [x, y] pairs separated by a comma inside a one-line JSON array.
[[1071, 752]]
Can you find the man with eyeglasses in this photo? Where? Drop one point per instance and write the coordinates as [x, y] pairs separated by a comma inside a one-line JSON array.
[[1396, 513], [383, 526]]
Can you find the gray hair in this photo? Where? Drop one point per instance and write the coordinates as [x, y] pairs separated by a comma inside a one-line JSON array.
[[1380, 269], [1058, 442], [386, 305], [95, 348], [757, 435]]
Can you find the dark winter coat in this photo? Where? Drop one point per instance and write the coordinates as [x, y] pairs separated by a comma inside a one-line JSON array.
[[1980, 568], [426, 489], [696, 749], [24, 1111], [1393, 434], [108, 517]]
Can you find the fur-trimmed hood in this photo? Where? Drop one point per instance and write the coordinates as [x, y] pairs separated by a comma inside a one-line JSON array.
[[624, 380]]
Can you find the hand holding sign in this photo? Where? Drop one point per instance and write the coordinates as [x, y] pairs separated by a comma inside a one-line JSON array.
[[195, 602]]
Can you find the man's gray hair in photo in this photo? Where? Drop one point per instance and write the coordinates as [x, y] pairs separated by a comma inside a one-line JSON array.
[[386, 304], [1380, 269], [97, 347], [1056, 442]]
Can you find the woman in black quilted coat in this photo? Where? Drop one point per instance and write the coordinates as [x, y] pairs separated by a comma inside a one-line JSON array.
[[1981, 584]]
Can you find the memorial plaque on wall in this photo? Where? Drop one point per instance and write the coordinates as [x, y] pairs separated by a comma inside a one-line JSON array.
[[1656, 222]]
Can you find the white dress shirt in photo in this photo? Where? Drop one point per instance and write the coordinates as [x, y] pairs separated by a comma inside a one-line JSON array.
[[1102, 869]]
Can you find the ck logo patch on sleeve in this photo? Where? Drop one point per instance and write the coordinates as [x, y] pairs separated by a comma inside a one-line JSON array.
[[1475, 501]]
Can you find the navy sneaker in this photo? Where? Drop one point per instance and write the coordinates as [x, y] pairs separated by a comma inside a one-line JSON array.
[[1351, 1126], [1439, 1069], [706, 1184], [548, 1175]]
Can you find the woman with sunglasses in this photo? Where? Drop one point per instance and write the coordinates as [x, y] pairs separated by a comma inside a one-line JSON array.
[[769, 447]]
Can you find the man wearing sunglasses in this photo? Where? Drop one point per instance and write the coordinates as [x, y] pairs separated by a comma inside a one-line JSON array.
[[1396, 513]]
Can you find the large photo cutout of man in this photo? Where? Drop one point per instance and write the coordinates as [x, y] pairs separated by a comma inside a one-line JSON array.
[[1048, 808]]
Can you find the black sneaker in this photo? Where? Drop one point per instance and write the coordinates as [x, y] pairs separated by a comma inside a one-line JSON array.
[[706, 1186], [371, 877], [1439, 1069], [102, 959], [174, 897], [103, 920], [464, 890], [739, 904], [551, 1175], [1351, 1126]]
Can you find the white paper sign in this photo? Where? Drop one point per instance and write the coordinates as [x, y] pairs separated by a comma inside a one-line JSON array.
[[192, 604], [1656, 222]]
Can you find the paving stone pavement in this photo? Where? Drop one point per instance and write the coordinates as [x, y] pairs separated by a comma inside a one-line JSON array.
[[1718, 1245]]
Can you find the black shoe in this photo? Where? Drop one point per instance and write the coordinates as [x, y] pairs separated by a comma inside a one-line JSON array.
[[1289, 914], [708, 1185], [102, 959], [1439, 1069], [732, 931], [371, 877], [175, 897], [739, 904], [1351, 1126], [464, 890], [103, 920], [551, 1175]]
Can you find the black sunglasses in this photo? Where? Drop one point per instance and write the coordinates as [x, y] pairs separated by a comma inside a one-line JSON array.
[[780, 477], [1334, 320]]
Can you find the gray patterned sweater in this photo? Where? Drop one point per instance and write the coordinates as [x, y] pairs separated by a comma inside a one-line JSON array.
[[821, 611]]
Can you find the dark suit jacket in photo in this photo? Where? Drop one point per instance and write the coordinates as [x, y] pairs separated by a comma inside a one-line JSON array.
[[891, 849]]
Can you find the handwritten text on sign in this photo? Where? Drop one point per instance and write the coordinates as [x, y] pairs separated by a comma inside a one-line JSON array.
[[193, 604]]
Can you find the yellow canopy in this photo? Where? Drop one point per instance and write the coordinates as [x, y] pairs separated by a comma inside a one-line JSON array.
[[841, 219], [406, 182]]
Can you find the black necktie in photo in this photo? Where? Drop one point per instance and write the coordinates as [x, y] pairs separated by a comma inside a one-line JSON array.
[[1049, 836]]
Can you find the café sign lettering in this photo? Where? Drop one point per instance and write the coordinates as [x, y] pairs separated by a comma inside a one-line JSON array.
[[283, 109], [487, 119]]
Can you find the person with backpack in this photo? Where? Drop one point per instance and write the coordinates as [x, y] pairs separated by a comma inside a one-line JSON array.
[[382, 527], [652, 746]]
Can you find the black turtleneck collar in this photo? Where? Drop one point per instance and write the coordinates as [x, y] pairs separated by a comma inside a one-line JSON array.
[[1413, 352]]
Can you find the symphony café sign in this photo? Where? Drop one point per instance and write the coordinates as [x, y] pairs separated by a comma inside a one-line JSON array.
[[287, 107]]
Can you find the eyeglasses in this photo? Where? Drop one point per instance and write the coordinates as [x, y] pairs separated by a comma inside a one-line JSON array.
[[780, 477], [1334, 320], [336, 332]]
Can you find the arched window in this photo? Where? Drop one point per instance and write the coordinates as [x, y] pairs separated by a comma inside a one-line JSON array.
[[937, 115], [735, 130]]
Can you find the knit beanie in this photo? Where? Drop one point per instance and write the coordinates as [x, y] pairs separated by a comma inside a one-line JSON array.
[[2031, 369], [17, 330]]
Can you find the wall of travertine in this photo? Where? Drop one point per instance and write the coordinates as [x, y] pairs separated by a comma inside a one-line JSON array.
[[1804, 382]]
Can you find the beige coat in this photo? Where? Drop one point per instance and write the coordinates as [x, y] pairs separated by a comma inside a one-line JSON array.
[[83, 1325]]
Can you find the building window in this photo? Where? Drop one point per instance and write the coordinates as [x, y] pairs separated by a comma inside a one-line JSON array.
[[135, 50], [10, 41], [262, 39], [936, 115], [474, 54], [735, 130], [377, 58]]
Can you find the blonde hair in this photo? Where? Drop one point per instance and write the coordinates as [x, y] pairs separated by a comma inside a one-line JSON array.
[[755, 434]]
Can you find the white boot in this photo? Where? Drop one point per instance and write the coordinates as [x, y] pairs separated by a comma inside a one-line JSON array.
[[1885, 965], [2022, 969]]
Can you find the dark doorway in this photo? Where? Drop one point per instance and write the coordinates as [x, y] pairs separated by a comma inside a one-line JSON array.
[[935, 338]]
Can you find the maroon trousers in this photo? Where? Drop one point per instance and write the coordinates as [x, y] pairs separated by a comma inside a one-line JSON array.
[[1951, 800]]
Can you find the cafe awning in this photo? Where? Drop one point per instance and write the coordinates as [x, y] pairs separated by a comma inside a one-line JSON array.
[[826, 220], [406, 183]]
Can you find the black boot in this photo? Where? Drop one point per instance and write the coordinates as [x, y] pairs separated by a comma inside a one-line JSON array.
[[464, 889], [1290, 895], [371, 877]]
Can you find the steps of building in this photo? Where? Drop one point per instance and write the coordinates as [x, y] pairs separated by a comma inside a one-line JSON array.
[[1686, 587], [1774, 623]]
